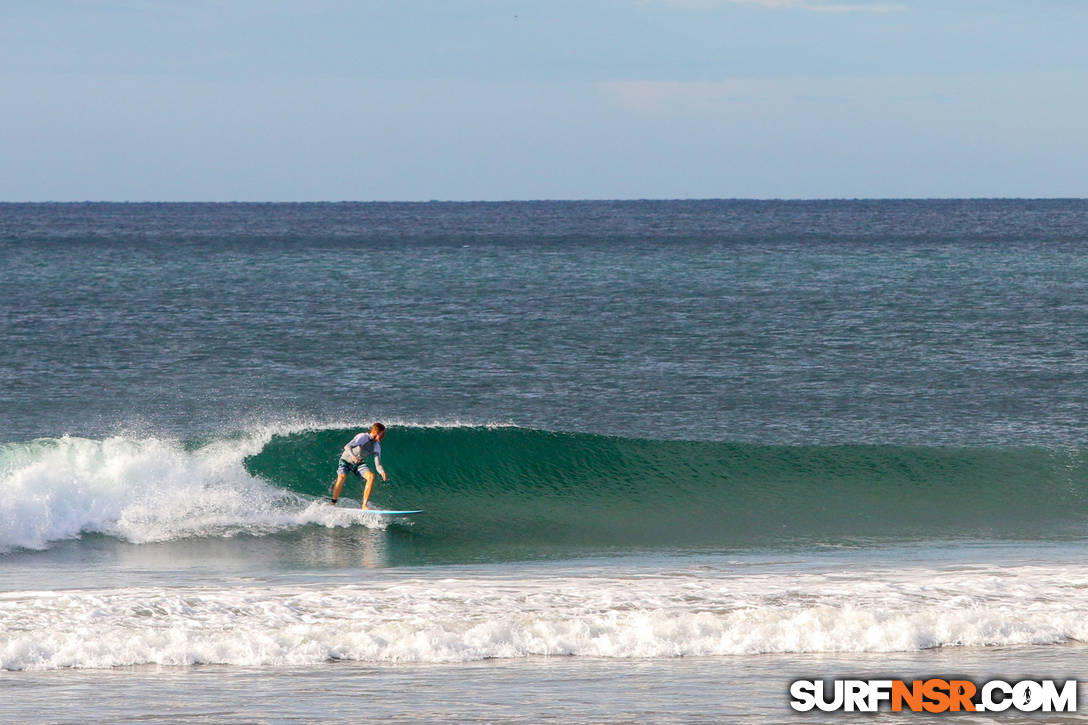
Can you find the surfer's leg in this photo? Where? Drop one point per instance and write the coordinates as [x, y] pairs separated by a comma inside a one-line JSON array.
[[369, 476], [340, 476]]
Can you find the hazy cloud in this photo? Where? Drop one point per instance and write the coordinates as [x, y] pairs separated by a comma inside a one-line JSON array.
[[810, 5], [686, 98]]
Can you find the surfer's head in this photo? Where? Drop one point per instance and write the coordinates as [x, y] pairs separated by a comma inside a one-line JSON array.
[[377, 431]]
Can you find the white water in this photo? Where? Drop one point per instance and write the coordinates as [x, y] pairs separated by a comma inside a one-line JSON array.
[[143, 490], [632, 613], [151, 489]]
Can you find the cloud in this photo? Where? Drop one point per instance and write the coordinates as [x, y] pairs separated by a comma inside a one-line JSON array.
[[654, 97], [816, 6], [695, 98]]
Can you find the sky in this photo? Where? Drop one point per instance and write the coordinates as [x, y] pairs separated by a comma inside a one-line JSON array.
[[412, 100]]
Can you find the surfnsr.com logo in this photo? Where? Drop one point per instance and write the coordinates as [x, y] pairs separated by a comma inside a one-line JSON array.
[[933, 695]]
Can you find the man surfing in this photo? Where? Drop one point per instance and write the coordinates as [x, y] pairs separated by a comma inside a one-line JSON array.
[[353, 460]]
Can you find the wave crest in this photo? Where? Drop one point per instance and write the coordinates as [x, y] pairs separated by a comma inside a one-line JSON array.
[[504, 488]]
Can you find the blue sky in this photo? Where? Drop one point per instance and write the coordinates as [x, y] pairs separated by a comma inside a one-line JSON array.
[[268, 100]]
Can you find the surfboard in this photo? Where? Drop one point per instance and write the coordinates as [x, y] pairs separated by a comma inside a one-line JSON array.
[[376, 512], [384, 512]]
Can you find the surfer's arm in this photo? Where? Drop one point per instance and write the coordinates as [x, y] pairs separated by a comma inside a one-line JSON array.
[[378, 465]]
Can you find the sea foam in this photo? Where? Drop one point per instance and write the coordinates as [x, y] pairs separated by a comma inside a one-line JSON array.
[[141, 490], [639, 615]]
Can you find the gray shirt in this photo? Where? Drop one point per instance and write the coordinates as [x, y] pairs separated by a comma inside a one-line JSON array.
[[362, 447]]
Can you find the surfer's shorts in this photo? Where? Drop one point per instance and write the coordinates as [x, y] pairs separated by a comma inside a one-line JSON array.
[[356, 469]]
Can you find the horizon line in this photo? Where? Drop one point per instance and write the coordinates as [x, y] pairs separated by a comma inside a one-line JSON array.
[[549, 200]]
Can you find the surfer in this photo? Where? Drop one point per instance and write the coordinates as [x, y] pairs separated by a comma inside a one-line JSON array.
[[353, 460]]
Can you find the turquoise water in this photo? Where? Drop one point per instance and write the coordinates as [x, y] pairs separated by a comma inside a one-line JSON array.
[[675, 441]]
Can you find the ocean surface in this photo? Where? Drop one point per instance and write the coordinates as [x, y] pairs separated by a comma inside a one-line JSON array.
[[672, 456]]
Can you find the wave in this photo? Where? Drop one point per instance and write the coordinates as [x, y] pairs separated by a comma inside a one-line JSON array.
[[493, 488], [618, 614], [511, 482], [142, 489]]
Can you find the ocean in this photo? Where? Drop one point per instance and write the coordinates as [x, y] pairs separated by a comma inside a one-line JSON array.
[[672, 457]]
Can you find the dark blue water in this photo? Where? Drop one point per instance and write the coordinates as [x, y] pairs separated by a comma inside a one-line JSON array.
[[922, 322]]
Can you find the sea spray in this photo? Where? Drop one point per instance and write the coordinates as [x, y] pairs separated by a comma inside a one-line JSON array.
[[140, 489]]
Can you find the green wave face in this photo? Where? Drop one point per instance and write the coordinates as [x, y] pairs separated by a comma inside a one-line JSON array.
[[508, 486]]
